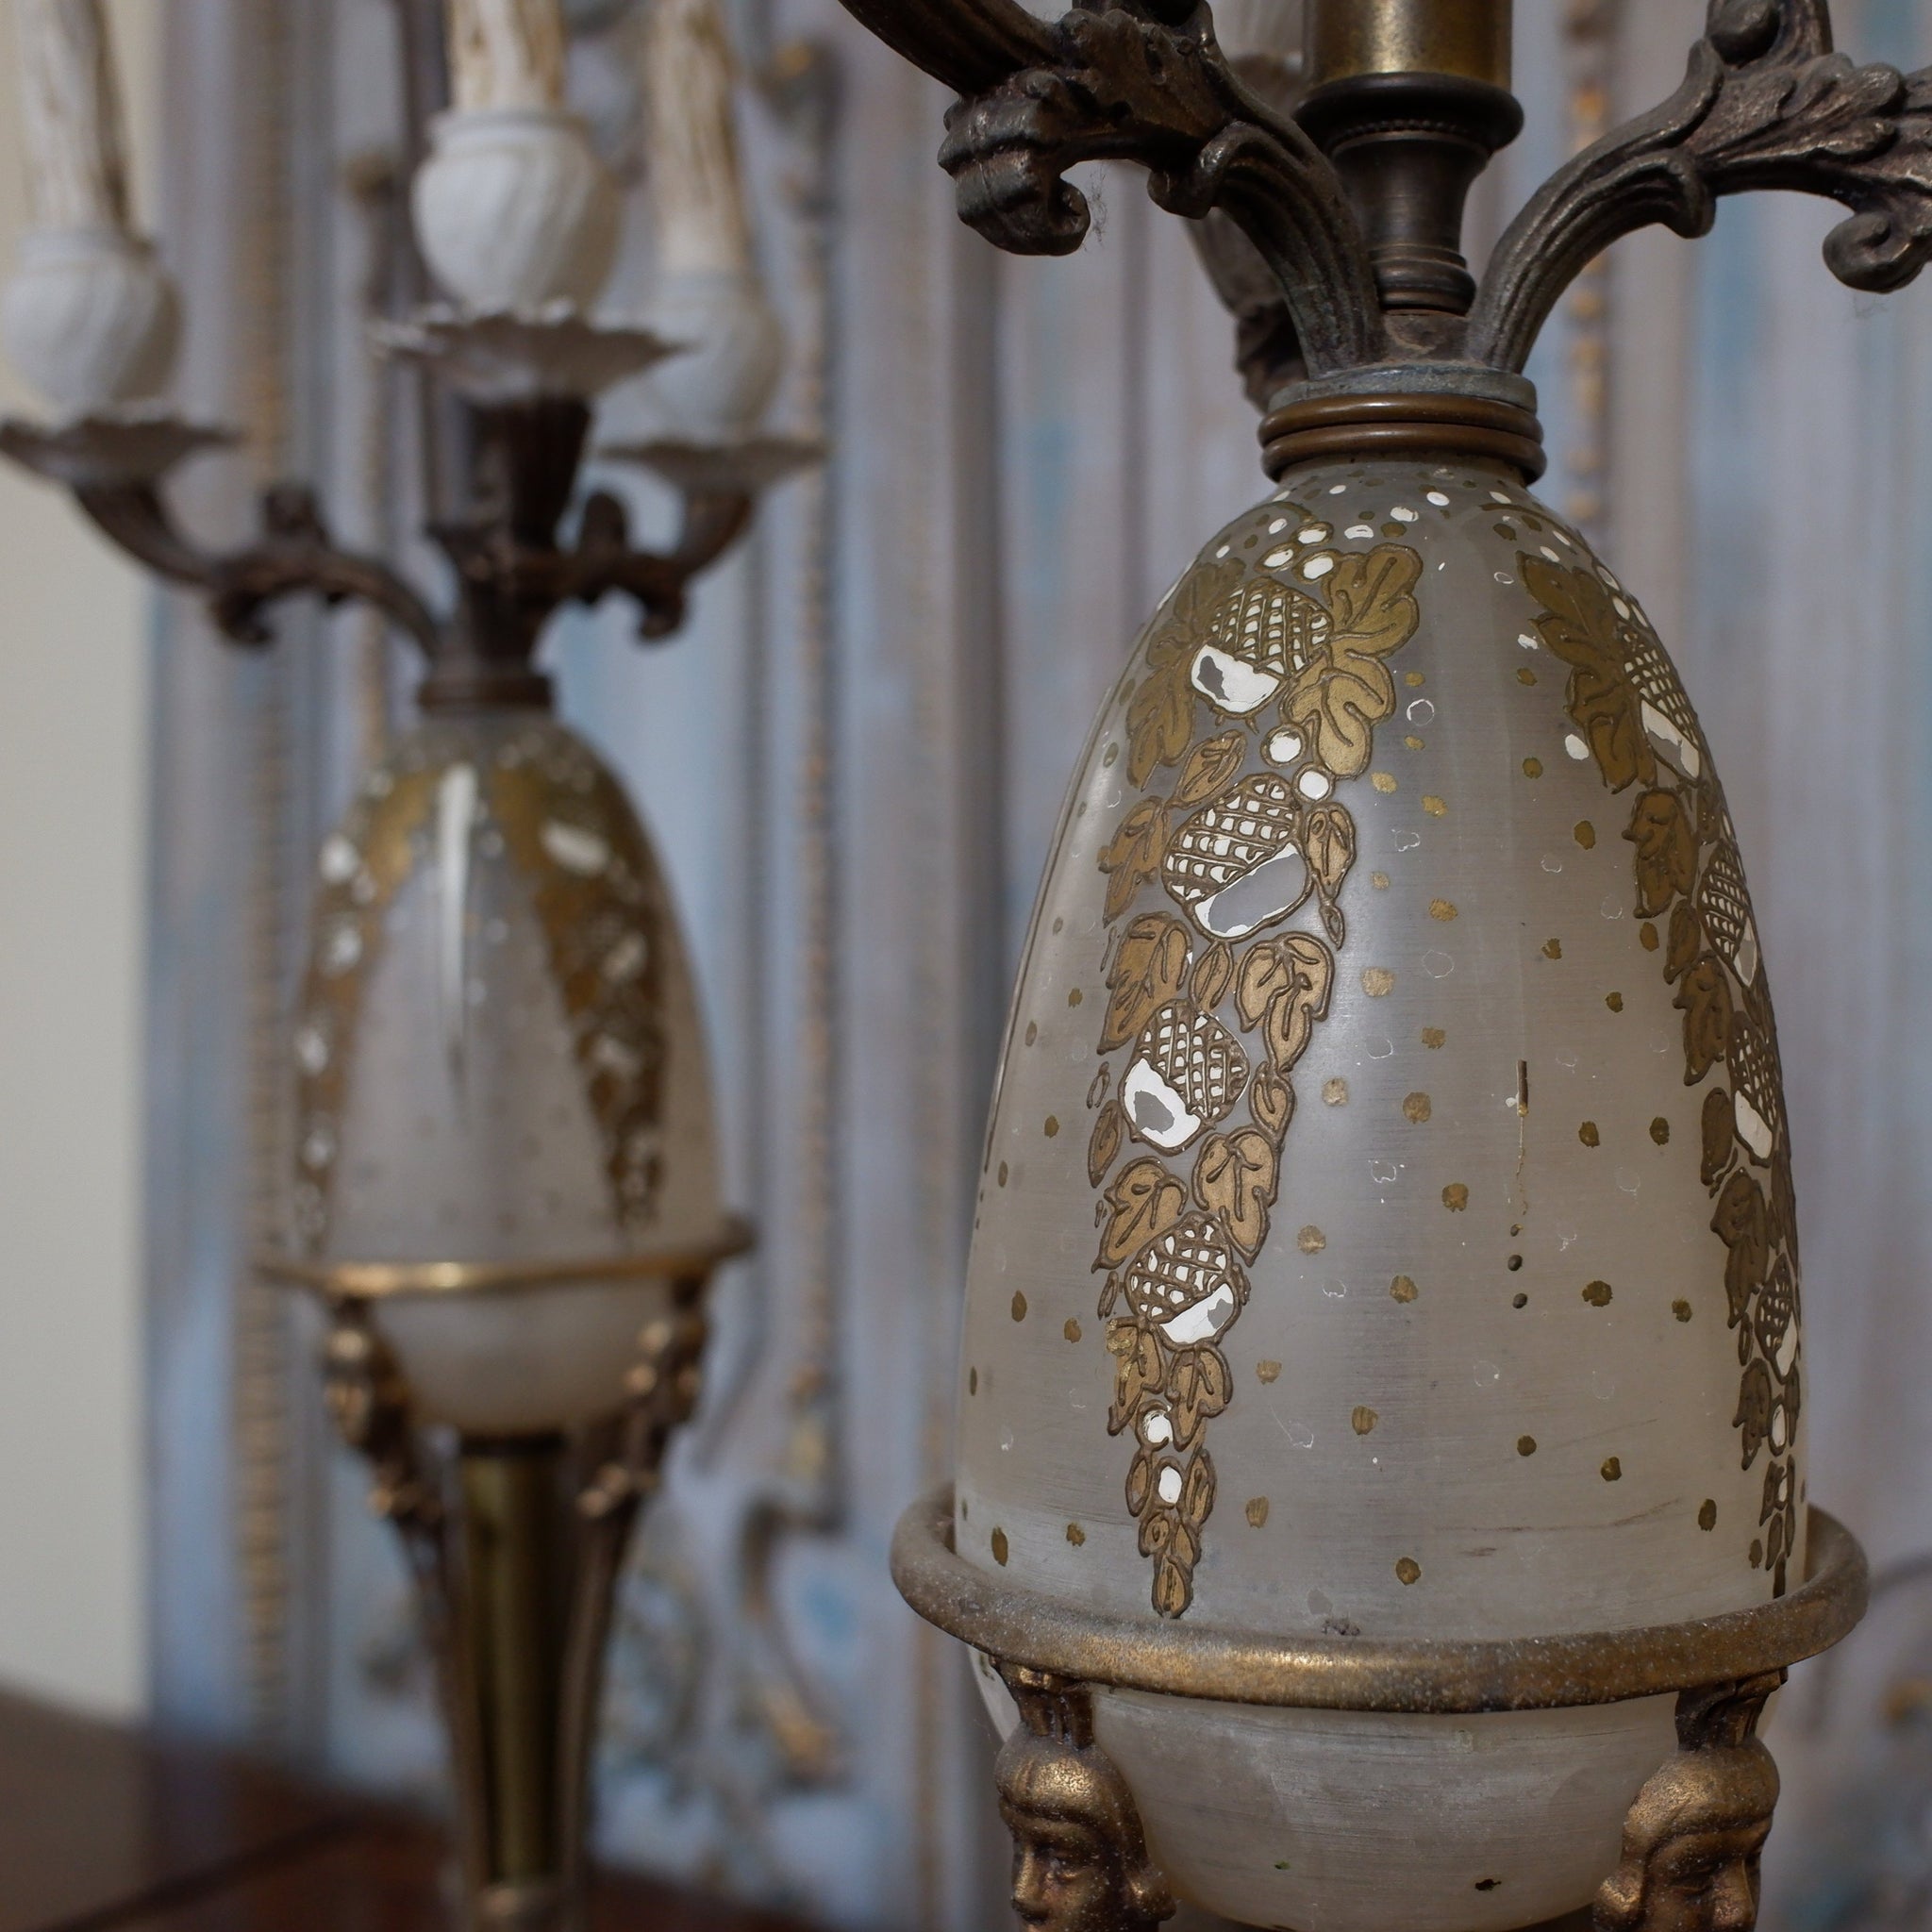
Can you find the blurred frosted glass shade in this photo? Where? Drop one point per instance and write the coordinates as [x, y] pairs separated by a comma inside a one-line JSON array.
[[500, 1061], [1385, 1225]]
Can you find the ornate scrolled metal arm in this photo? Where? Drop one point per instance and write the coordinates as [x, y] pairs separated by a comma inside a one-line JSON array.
[[1765, 103], [116, 468], [604, 560], [1141, 82], [292, 556]]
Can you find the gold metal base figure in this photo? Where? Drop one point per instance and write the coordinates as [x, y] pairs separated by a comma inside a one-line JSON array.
[[1692, 1836], [515, 1547], [1080, 1861]]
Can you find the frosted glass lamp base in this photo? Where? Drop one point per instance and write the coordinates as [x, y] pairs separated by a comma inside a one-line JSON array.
[[1358, 1785]]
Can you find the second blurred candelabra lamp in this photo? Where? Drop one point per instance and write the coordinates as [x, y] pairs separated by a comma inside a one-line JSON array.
[[506, 1194], [1380, 1496]]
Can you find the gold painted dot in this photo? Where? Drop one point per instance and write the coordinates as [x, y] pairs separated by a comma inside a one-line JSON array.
[[1515, 1262], [1059, 924], [973, 1381], [1379, 880], [1053, 1125], [1382, 782], [1433, 1037], [1612, 1471], [1525, 674], [1433, 806], [1376, 981], [1415, 1108], [1113, 751], [1408, 1570], [1681, 1309], [1647, 933], [1706, 1517], [1532, 768], [1444, 909], [1588, 1134], [1614, 1000], [1018, 1306], [999, 1547], [1364, 1420], [1311, 1240], [1526, 1445], [1075, 1535], [1403, 1288], [1553, 949], [1070, 1330], [1519, 1300], [1757, 1553], [1334, 1091], [1258, 1512], [1267, 1372], [1660, 1130], [1412, 678], [1456, 1197], [1032, 1031], [1412, 742], [1585, 834], [1075, 997], [1004, 1171], [1597, 1293]]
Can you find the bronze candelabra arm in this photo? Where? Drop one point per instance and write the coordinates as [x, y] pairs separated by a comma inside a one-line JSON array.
[[1353, 199], [1143, 82], [512, 570], [1765, 103], [116, 468]]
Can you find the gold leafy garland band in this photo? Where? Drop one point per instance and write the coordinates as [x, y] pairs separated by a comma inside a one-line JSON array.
[[1300, 678], [1636, 721]]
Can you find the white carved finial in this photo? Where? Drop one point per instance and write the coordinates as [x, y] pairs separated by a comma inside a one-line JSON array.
[[696, 191], [514, 211], [71, 107], [88, 319], [506, 54], [708, 294]]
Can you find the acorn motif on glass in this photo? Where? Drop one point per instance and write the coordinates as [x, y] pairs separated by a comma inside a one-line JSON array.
[[1259, 638], [1237, 865], [1640, 725], [1187, 1073], [1236, 850], [1185, 1283]]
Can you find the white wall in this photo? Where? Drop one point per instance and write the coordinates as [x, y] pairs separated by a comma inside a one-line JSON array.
[[73, 826]]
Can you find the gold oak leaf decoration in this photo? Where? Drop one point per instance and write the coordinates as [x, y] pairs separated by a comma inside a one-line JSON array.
[[1684, 858], [1173, 1238], [1580, 625]]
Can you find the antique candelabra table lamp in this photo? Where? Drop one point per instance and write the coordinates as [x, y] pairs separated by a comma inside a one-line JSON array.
[[505, 1196], [1380, 1497]]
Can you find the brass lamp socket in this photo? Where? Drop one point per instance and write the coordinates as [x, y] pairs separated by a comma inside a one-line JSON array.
[[1469, 39]]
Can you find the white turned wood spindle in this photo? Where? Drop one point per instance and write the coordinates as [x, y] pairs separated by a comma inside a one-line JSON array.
[[697, 192], [506, 54], [71, 98]]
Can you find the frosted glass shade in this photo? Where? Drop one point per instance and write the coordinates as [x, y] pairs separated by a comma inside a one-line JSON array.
[[1386, 1224], [500, 1061]]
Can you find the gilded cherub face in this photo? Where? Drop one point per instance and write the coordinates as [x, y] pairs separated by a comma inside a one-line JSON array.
[[1692, 1845], [1064, 1877], [1079, 1863]]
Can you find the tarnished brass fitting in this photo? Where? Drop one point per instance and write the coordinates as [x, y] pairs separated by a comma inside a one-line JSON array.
[[1466, 38]]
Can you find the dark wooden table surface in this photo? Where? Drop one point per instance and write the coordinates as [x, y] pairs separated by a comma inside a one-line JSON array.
[[102, 1826]]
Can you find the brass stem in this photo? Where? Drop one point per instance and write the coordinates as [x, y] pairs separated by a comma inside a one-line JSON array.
[[1466, 38], [512, 1585]]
